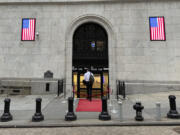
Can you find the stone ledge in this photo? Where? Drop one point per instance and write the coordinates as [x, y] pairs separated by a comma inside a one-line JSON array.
[[67, 1], [28, 85], [145, 87], [29, 79]]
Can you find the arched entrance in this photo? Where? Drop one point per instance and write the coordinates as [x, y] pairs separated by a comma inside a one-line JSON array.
[[111, 32], [90, 49]]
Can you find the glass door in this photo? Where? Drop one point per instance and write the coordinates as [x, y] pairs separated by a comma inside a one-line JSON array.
[[100, 86]]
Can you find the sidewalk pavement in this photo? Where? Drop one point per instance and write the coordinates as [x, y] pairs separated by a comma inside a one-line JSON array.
[[54, 109]]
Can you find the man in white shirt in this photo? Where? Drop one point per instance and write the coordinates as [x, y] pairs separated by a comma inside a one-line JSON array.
[[88, 84]]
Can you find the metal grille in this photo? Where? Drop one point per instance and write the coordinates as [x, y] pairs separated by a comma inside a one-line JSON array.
[[90, 46]]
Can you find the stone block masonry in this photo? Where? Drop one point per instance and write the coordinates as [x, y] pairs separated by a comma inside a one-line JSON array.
[[132, 56]]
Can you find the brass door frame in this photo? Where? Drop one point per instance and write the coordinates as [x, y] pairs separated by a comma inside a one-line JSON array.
[[80, 72]]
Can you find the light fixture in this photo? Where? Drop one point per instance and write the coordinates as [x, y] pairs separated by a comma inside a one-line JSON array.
[[37, 34]]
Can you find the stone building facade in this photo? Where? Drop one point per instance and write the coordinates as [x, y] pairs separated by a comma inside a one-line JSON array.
[[145, 65]]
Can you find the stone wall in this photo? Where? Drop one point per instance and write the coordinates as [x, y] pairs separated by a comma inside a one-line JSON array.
[[138, 57], [132, 56]]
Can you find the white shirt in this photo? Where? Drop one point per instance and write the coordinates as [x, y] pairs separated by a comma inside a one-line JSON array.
[[87, 76]]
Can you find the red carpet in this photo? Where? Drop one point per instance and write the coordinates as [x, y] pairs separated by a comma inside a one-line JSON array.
[[85, 105]]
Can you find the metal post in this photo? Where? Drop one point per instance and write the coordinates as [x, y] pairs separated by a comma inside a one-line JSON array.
[[117, 91], [38, 116], [104, 114], [6, 115], [173, 113], [124, 92], [158, 111], [138, 107], [58, 92], [120, 111], [70, 116], [120, 88]]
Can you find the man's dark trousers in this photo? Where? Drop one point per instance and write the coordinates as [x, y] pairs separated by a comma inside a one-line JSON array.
[[89, 90]]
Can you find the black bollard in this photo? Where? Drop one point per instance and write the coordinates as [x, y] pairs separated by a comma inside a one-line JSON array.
[[104, 114], [6, 115], [173, 113], [138, 107], [38, 116], [70, 116]]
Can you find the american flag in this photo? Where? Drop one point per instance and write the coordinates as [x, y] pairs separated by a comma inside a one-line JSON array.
[[157, 28], [28, 29]]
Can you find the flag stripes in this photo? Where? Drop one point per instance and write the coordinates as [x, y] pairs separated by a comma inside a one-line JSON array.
[[28, 29], [157, 29]]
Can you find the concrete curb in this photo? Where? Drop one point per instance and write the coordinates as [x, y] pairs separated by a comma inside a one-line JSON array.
[[91, 125]]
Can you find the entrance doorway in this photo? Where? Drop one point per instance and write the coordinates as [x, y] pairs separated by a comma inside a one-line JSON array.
[[90, 49]]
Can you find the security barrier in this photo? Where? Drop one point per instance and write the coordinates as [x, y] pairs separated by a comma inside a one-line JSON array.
[[121, 89]]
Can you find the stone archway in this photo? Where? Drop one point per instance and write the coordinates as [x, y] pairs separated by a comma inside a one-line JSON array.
[[69, 45]]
